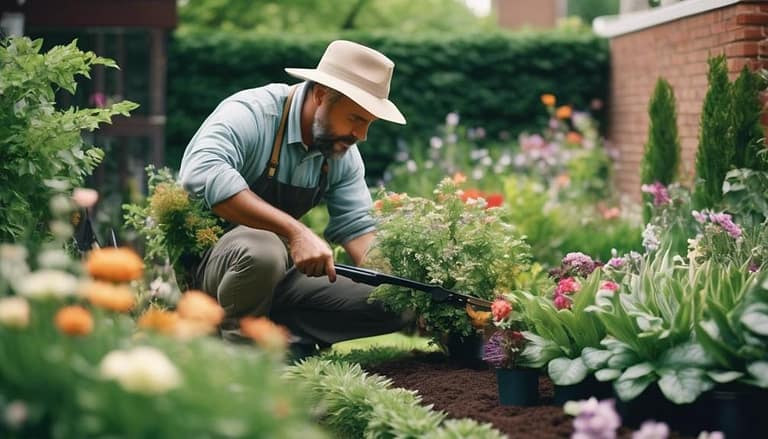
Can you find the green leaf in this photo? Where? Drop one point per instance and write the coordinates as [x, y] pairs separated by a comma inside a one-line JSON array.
[[594, 358], [629, 389], [607, 374], [755, 318], [566, 371], [689, 354], [637, 371], [685, 385], [759, 370], [723, 377]]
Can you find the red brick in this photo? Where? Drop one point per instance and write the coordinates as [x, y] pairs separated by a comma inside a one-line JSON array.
[[752, 18], [745, 48], [747, 33]]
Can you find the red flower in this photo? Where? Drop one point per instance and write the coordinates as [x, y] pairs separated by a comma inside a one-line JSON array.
[[500, 309], [494, 200], [562, 302], [609, 285], [567, 285]]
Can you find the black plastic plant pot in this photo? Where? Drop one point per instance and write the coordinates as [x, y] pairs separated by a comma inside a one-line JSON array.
[[653, 405], [736, 410], [586, 389], [466, 350], [518, 386]]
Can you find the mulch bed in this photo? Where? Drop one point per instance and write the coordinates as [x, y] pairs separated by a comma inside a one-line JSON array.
[[469, 393]]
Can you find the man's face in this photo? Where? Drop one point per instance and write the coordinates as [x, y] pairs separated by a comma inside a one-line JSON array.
[[339, 125]]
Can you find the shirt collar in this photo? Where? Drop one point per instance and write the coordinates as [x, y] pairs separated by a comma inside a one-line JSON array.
[[293, 130]]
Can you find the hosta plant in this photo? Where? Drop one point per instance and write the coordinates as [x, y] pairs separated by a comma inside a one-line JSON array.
[[460, 245]]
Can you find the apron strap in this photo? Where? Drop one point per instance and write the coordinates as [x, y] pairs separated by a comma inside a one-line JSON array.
[[274, 160]]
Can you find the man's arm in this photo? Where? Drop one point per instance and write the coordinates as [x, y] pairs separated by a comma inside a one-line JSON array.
[[311, 255], [358, 247]]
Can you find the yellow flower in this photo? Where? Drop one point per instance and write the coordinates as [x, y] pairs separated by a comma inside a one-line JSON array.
[[114, 264], [266, 333], [118, 298], [548, 99], [200, 307], [167, 201], [74, 320], [208, 236], [563, 112]]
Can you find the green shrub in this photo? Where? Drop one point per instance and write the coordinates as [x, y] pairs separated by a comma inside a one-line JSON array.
[[662, 151], [40, 142], [747, 130], [433, 74], [716, 143]]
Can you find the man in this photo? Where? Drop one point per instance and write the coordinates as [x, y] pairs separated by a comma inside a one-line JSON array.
[[265, 157]]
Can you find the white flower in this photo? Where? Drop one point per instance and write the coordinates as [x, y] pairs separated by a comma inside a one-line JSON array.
[[47, 283], [16, 414], [436, 142], [14, 312], [53, 258], [411, 166], [13, 262], [452, 119], [61, 229], [84, 197], [60, 205], [142, 369]]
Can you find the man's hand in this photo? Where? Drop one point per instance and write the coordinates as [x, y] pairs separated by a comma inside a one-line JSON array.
[[312, 255]]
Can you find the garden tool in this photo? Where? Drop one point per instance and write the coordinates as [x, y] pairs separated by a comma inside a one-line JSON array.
[[439, 294]]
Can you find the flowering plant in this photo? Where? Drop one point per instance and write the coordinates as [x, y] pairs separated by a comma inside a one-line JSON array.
[[178, 228], [459, 245]]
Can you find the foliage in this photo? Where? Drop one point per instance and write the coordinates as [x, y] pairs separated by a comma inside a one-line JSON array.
[[745, 195], [356, 404], [178, 228], [748, 132], [462, 246], [716, 142], [588, 10], [662, 151], [671, 223], [735, 332], [264, 16], [41, 142], [430, 69]]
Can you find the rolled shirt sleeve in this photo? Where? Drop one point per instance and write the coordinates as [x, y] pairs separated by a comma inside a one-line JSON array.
[[349, 201], [214, 164]]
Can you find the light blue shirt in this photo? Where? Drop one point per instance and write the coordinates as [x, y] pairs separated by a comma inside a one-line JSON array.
[[232, 147]]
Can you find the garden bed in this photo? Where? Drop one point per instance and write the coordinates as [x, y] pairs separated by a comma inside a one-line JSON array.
[[468, 393]]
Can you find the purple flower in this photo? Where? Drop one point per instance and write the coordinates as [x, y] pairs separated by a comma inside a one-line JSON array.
[[98, 100], [753, 267], [616, 262], [700, 217], [596, 420], [531, 143], [493, 351], [659, 192], [579, 263], [652, 430], [724, 220]]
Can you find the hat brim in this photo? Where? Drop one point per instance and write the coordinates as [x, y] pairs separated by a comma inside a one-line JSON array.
[[381, 108]]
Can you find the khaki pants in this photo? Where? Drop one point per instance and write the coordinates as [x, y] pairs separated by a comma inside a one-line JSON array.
[[250, 273]]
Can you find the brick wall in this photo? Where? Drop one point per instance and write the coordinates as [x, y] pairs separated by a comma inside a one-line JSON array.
[[677, 51]]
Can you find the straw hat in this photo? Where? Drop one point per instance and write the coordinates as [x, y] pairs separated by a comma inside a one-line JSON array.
[[359, 73]]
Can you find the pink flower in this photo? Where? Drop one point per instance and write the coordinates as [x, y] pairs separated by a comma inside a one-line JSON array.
[[567, 285], [562, 302], [84, 197], [616, 262], [609, 285], [659, 192], [500, 309], [724, 220], [98, 100]]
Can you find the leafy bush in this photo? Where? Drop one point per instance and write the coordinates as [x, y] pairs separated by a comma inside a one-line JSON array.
[[460, 246], [507, 73], [41, 142]]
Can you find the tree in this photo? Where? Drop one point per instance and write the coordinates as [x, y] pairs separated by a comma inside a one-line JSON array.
[[269, 16], [716, 140], [662, 151], [748, 133]]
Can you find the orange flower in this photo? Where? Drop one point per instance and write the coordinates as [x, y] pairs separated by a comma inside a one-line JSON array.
[[548, 99], [478, 319], [573, 138], [378, 204], [459, 178], [114, 264], [74, 320], [563, 112], [266, 333], [200, 307], [471, 193], [562, 181], [119, 298], [159, 320]]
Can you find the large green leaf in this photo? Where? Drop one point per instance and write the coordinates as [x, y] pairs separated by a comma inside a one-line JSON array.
[[755, 318], [607, 374], [690, 354], [759, 370], [595, 359], [684, 385], [566, 371], [629, 389]]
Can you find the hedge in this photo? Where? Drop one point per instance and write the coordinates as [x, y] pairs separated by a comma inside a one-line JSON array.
[[493, 80]]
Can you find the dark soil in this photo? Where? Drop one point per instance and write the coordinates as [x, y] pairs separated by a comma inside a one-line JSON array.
[[469, 393]]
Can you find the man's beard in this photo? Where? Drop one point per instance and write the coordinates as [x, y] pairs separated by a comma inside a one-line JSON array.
[[324, 140]]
